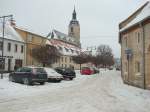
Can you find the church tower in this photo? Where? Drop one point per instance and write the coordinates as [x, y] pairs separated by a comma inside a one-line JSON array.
[[74, 28]]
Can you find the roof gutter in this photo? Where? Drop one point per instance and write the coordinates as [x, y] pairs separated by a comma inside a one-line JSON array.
[[143, 55], [138, 23], [135, 24]]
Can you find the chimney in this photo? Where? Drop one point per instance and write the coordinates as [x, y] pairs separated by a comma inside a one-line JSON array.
[[12, 22]]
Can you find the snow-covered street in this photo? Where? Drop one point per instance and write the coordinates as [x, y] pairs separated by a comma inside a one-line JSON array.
[[102, 92]]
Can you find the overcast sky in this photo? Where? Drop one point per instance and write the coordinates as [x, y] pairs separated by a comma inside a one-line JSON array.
[[98, 19]]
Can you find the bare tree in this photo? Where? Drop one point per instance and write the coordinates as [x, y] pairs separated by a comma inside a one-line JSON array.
[[104, 56], [46, 54], [80, 59]]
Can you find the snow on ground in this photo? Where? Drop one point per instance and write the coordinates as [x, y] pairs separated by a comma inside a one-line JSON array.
[[102, 92], [15, 90]]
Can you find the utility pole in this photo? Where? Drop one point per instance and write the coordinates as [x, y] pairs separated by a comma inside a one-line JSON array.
[[3, 35]]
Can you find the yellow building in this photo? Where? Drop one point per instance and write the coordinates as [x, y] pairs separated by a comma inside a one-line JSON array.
[[134, 37], [32, 40]]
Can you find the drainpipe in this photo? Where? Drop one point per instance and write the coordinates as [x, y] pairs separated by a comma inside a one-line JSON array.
[[143, 54]]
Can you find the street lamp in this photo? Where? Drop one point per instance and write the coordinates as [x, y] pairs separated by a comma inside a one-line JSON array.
[[3, 34]]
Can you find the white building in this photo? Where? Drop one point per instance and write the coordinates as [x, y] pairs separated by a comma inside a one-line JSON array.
[[13, 49], [67, 47]]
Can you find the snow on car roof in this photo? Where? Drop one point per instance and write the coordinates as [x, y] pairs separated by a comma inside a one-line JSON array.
[[51, 72]]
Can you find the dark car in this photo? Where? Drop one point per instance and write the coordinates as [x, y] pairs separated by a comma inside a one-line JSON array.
[[29, 75], [68, 73], [59, 70], [118, 68]]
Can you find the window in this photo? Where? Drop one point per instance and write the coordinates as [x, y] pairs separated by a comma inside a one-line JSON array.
[[22, 47], [70, 59], [71, 29], [9, 47], [1, 45], [126, 67], [126, 42], [137, 66], [16, 47], [72, 51], [29, 38], [2, 63], [66, 49], [60, 48], [62, 59], [138, 37], [65, 59], [55, 60]]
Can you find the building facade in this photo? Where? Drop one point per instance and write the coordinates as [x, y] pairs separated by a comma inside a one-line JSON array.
[[134, 37], [13, 49], [32, 40]]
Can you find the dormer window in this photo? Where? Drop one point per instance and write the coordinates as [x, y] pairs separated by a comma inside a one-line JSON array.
[[66, 49], [60, 48]]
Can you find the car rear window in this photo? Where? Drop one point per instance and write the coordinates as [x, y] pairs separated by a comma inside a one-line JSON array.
[[39, 70]]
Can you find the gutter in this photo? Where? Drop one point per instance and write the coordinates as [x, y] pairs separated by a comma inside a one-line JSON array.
[[143, 58]]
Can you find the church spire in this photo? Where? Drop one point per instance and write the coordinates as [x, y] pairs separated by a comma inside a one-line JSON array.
[[74, 15]]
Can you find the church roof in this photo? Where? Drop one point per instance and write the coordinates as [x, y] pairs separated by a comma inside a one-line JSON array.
[[61, 36], [143, 14]]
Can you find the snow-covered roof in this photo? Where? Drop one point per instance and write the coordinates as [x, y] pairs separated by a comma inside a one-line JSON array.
[[63, 47], [10, 33], [61, 36], [30, 31], [144, 14]]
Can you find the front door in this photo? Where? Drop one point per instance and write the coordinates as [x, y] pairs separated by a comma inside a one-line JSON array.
[[9, 64]]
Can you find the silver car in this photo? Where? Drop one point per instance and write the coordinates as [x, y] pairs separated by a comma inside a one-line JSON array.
[[53, 75]]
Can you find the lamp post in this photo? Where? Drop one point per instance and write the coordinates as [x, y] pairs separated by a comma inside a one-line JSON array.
[[3, 34]]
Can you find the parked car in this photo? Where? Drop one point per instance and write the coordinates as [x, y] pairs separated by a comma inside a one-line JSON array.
[[59, 70], [86, 71], [29, 75], [68, 73], [95, 70], [118, 68], [111, 68], [53, 75]]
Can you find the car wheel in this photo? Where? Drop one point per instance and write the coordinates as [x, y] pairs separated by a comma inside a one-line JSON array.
[[11, 79], [26, 81], [42, 83]]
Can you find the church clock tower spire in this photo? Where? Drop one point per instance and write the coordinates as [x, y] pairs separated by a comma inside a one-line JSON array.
[[74, 27], [74, 15]]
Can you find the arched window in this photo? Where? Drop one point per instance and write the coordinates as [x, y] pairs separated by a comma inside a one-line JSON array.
[[71, 29]]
